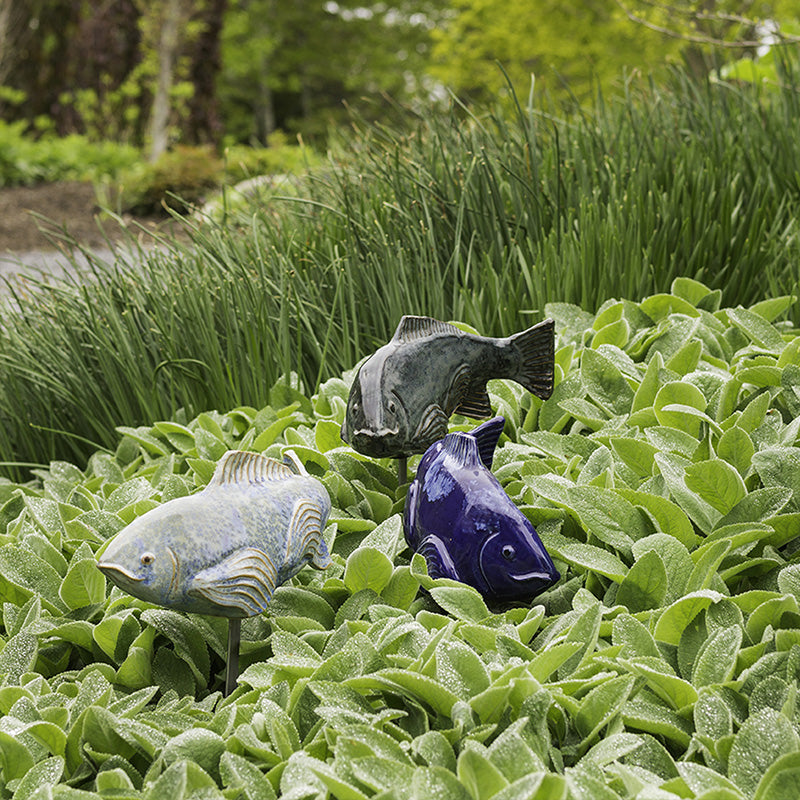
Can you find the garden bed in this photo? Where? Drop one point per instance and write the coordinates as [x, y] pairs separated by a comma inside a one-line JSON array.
[[662, 477]]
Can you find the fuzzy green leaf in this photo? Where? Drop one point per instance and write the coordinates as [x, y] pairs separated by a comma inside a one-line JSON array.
[[462, 602], [716, 482], [673, 469], [367, 568], [605, 383], [781, 779], [763, 738], [716, 660], [83, 585], [479, 774], [601, 705], [756, 328], [676, 617]]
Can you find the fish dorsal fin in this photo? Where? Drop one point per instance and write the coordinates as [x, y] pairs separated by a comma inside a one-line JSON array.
[[487, 436], [239, 467], [412, 328], [463, 447]]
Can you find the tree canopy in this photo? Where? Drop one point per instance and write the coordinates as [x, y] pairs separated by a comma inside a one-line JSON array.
[[154, 72], [577, 44]]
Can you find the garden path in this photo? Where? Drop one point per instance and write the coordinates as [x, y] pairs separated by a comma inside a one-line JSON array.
[[34, 221]]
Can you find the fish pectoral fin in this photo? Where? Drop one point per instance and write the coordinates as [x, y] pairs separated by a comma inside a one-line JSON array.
[[305, 535], [475, 403], [245, 580], [413, 328], [432, 426], [459, 388], [437, 557]]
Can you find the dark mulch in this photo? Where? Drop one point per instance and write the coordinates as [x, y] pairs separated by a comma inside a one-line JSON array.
[[27, 213]]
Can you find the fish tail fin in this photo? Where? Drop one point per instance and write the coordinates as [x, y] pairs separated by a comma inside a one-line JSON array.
[[536, 347]]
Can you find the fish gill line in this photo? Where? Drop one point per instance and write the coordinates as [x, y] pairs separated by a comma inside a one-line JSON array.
[[173, 584]]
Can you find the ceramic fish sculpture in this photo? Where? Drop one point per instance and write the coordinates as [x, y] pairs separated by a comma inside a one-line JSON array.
[[458, 516], [405, 392], [224, 550]]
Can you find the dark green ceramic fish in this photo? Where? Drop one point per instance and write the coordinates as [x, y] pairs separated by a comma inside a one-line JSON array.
[[405, 392]]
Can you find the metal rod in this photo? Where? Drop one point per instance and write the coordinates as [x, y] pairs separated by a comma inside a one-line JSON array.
[[234, 637], [402, 470]]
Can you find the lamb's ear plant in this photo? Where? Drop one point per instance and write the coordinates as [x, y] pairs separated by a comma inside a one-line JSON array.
[[662, 476]]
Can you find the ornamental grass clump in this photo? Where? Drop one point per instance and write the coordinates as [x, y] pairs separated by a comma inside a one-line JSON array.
[[662, 475], [482, 218]]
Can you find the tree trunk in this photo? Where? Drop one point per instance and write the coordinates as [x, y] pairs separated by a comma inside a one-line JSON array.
[[265, 119], [205, 125], [167, 55], [10, 20], [265, 106]]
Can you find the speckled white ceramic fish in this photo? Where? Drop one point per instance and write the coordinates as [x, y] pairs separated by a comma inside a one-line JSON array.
[[224, 550]]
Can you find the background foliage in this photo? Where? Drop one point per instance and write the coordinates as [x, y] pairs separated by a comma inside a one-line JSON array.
[[24, 161], [480, 218], [662, 477], [235, 70]]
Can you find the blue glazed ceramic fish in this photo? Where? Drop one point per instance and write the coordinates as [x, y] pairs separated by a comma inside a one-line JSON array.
[[406, 391], [224, 550], [459, 517]]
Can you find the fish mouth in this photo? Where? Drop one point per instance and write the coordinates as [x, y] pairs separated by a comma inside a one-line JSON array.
[[115, 570], [530, 577], [378, 444]]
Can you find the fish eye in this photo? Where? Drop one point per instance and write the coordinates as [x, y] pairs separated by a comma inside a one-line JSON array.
[[147, 558], [508, 552], [392, 407]]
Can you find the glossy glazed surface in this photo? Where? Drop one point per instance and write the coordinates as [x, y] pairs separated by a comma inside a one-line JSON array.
[[405, 392], [459, 517]]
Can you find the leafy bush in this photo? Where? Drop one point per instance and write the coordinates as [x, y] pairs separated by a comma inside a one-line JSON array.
[[25, 161], [279, 158], [185, 177], [180, 178], [661, 475]]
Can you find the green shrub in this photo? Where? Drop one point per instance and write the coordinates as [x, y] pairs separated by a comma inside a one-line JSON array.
[[25, 161], [181, 178], [185, 177], [279, 158], [662, 477]]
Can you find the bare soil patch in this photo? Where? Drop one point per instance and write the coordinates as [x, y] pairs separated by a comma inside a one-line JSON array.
[[35, 218]]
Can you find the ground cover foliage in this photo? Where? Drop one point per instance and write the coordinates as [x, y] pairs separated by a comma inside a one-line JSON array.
[[25, 161], [661, 475], [482, 218]]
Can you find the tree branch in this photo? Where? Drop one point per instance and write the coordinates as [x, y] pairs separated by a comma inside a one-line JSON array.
[[696, 38]]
